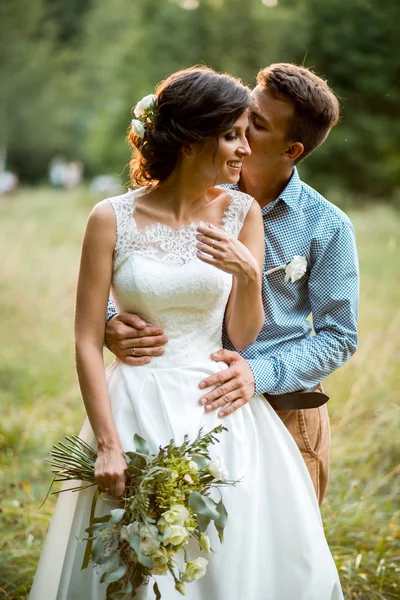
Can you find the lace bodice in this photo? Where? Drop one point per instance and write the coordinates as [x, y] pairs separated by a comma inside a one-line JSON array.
[[157, 275]]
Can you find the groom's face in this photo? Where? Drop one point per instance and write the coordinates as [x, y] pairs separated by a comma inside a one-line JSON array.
[[269, 119]]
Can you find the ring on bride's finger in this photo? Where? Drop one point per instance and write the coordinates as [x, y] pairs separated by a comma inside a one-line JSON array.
[[226, 400], [133, 351]]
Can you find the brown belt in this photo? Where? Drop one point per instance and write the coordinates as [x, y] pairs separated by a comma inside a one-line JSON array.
[[311, 398]]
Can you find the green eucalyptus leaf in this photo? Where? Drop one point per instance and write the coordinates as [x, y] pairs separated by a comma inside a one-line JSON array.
[[202, 505], [134, 543], [117, 515], [221, 521], [202, 522], [110, 565], [140, 445], [96, 528], [128, 588], [98, 548], [201, 461], [116, 575], [137, 463]]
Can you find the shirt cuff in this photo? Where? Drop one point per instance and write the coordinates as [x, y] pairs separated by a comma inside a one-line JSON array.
[[111, 312], [264, 376]]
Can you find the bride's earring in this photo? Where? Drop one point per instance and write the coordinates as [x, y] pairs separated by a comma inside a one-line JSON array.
[[187, 151]]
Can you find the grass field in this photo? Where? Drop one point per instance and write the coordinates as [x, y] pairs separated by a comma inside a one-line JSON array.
[[39, 245]]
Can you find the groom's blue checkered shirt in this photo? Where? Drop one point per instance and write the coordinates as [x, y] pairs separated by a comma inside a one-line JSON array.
[[286, 357]]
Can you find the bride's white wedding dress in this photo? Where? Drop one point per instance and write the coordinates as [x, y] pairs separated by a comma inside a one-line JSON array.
[[274, 548]]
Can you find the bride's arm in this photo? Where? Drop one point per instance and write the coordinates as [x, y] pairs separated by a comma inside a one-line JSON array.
[[244, 259], [91, 303]]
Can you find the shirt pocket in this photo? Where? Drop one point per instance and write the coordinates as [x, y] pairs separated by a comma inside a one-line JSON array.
[[286, 296]]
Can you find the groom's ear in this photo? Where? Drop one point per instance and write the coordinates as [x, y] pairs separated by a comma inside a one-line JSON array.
[[293, 152]]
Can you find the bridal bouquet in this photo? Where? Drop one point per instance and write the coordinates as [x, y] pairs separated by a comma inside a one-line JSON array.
[[167, 501]]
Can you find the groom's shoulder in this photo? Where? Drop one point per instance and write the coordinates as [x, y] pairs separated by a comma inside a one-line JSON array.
[[322, 209]]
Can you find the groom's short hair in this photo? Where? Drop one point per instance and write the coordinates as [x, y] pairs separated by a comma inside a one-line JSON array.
[[316, 108]]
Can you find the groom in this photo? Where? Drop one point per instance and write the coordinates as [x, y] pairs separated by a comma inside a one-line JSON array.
[[292, 114]]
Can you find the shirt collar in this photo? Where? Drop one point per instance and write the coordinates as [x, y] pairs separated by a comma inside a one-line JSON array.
[[291, 193]]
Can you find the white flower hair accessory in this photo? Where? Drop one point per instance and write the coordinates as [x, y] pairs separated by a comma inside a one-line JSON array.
[[137, 128], [145, 113], [145, 106], [294, 270]]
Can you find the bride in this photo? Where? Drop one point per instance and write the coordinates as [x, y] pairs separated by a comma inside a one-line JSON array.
[[187, 256]]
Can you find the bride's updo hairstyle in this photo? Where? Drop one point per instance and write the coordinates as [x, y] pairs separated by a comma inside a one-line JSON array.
[[192, 105]]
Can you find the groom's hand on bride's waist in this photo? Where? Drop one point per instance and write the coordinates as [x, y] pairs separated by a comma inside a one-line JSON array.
[[235, 385], [132, 340]]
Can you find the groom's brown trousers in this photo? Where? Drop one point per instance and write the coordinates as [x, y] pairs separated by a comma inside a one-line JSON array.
[[312, 433]]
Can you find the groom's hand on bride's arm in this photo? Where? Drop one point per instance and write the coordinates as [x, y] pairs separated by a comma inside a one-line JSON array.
[[132, 340], [235, 385]]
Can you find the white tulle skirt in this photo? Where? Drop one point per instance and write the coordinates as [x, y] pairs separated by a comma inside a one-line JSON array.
[[274, 548]]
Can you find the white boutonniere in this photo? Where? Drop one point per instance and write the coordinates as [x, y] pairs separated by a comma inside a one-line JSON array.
[[294, 270]]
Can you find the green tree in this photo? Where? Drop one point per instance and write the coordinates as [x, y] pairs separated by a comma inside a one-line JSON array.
[[38, 94], [356, 46]]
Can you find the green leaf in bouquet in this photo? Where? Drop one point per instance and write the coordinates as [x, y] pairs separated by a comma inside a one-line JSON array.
[[115, 575], [202, 522], [137, 462], [94, 529], [117, 515], [109, 566], [202, 505], [156, 591], [134, 543], [221, 521], [200, 460], [141, 445], [98, 546]]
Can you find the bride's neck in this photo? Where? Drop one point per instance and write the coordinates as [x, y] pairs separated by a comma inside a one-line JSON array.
[[182, 194]]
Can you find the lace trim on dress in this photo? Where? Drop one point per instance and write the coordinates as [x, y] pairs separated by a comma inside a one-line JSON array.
[[175, 246]]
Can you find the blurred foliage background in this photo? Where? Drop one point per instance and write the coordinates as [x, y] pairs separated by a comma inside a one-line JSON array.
[[72, 70]]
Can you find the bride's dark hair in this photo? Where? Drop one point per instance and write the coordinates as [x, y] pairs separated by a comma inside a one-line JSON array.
[[193, 105]]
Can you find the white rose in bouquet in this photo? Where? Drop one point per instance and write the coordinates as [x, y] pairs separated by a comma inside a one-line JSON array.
[[176, 515], [149, 541], [218, 469], [160, 560], [128, 529], [143, 106], [175, 535], [148, 545], [162, 525], [195, 569]]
